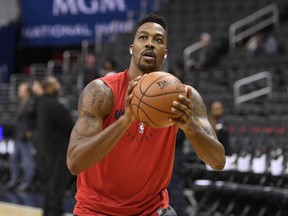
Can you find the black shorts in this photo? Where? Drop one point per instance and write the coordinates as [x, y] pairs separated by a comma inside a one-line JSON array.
[[167, 212]]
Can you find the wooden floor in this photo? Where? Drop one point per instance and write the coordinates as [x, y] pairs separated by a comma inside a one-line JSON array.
[[10, 209], [28, 203]]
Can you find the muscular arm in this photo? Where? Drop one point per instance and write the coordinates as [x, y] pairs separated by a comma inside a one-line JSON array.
[[89, 143], [195, 124]]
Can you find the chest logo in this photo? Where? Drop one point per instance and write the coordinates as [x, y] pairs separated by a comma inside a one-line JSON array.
[[141, 128]]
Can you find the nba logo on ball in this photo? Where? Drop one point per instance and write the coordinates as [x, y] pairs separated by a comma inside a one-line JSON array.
[[153, 97]]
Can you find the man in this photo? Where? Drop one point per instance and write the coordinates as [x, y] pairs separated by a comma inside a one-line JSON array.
[[123, 170], [86, 71], [216, 119], [109, 67], [206, 57], [23, 144], [54, 124]]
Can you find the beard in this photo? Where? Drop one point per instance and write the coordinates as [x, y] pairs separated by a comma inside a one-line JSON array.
[[147, 68]]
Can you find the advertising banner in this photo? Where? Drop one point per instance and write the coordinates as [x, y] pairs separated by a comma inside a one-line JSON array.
[[68, 22]]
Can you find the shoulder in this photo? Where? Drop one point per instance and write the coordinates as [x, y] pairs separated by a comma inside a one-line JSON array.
[[96, 97], [96, 87], [114, 77]]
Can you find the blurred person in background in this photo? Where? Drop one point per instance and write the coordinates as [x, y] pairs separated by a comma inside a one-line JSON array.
[[37, 88], [216, 119], [262, 43], [23, 147], [38, 91], [109, 67], [54, 124], [206, 56], [87, 70]]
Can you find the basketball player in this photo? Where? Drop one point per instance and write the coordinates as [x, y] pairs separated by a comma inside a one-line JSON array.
[[124, 166]]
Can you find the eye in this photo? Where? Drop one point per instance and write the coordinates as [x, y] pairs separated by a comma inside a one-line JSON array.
[[159, 40], [142, 37]]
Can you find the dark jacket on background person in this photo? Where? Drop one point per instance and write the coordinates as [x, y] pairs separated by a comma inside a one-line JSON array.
[[54, 125], [24, 122], [22, 156]]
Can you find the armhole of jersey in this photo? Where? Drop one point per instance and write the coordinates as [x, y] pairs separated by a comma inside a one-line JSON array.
[[113, 95]]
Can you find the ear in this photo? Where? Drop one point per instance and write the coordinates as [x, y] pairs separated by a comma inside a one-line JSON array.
[[166, 54], [130, 49]]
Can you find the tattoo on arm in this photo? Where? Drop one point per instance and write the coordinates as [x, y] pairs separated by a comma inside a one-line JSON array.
[[94, 103], [89, 120], [199, 109], [98, 94]]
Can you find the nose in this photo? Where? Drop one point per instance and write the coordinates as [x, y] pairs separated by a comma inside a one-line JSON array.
[[149, 44]]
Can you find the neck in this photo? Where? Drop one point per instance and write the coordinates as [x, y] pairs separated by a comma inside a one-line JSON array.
[[135, 71]]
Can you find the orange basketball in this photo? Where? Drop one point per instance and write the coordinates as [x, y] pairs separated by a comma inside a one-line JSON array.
[[153, 97]]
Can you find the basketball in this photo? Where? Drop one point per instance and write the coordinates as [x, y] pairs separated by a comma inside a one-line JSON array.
[[153, 97]]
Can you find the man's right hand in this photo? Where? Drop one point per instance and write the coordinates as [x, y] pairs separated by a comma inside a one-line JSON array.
[[128, 110]]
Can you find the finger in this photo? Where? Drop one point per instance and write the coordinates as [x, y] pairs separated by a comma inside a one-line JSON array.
[[183, 106], [189, 93], [186, 100], [180, 110], [132, 84], [177, 120], [136, 79]]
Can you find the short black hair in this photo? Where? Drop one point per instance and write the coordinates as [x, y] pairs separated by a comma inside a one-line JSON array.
[[153, 18]]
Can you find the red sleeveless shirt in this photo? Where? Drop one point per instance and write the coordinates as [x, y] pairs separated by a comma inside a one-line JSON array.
[[132, 179]]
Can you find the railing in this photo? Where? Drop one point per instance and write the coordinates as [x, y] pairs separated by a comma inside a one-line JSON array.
[[70, 57], [38, 71], [251, 24], [94, 47], [251, 95], [54, 67], [4, 92]]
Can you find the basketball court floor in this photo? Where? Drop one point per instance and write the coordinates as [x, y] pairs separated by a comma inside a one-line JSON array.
[[27, 203]]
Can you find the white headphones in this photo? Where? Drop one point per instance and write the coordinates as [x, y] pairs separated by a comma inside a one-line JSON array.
[[165, 56]]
